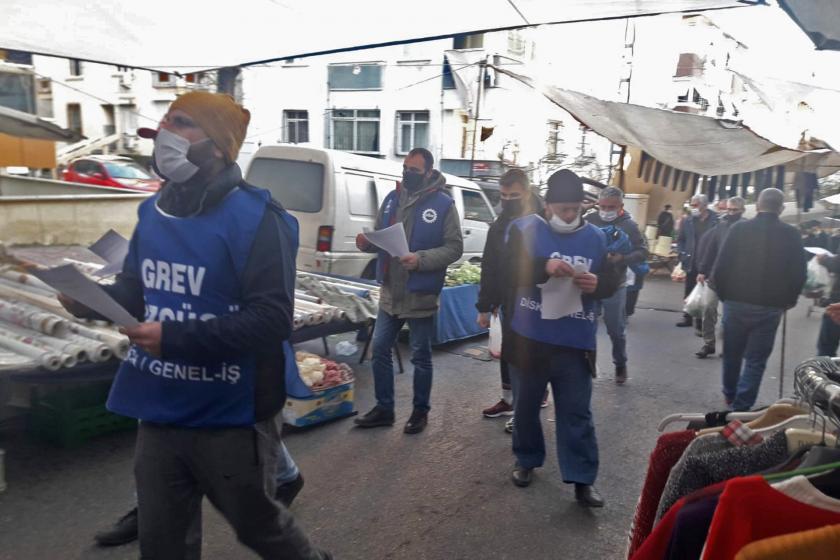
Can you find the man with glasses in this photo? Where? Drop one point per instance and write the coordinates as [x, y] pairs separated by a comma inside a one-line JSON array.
[[701, 220]]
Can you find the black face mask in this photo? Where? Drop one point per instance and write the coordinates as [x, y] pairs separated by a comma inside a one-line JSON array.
[[733, 217], [412, 181], [512, 207]]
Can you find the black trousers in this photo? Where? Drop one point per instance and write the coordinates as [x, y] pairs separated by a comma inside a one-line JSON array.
[[235, 468]]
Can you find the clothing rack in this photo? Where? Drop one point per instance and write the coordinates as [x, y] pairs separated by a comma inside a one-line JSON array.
[[814, 383]]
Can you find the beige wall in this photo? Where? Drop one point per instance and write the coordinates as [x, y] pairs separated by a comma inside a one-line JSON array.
[[659, 195]]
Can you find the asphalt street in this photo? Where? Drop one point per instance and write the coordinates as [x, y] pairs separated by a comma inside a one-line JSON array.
[[442, 495]]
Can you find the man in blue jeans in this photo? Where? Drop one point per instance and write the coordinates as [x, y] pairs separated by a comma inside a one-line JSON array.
[[759, 273], [626, 252], [411, 284], [556, 348]]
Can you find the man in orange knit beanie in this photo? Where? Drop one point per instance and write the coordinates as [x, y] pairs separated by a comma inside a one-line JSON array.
[[210, 272]]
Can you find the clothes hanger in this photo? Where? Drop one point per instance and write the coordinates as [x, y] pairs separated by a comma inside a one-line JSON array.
[[773, 415], [701, 416]]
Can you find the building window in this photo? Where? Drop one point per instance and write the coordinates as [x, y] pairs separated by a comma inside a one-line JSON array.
[[355, 130], [75, 67], [354, 76], [74, 117], [516, 42], [17, 57], [475, 41], [412, 130], [163, 79], [295, 127], [554, 141], [448, 78]]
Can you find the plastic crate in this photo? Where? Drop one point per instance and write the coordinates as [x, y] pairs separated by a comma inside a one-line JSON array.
[[329, 404], [73, 415]]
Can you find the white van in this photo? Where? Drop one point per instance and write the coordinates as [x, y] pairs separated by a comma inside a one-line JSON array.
[[335, 194]]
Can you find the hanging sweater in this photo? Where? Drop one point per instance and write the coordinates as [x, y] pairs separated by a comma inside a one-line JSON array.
[[751, 510], [669, 448], [816, 544]]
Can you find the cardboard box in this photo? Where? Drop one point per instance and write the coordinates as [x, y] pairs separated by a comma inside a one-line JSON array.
[[323, 406]]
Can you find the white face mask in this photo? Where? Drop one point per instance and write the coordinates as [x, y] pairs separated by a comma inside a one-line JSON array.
[[171, 156], [560, 226], [695, 212], [608, 216]]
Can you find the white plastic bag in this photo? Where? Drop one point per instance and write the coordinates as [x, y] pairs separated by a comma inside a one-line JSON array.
[[818, 279], [697, 300], [495, 343], [678, 274]]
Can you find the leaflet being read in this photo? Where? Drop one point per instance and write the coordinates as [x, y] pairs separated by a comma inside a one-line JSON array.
[[112, 248], [560, 297], [391, 239], [68, 280]]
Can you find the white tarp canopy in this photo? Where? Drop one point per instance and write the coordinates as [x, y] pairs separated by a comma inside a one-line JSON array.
[[188, 35], [793, 112], [23, 125], [695, 143]]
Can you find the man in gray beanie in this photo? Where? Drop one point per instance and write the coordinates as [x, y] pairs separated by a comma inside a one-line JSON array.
[[556, 251]]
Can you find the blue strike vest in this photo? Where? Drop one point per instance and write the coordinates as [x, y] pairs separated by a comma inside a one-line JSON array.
[[586, 245], [426, 233], [190, 269], [619, 242]]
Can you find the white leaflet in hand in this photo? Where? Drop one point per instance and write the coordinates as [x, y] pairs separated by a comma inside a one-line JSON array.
[[392, 240], [819, 251], [560, 297], [112, 248], [68, 280]]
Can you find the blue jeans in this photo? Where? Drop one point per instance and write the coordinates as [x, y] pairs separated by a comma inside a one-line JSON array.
[[614, 309], [571, 384], [287, 470], [748, 335], [829, 337], [420, 340]]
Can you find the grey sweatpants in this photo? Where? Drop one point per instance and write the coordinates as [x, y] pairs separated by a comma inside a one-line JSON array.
[[235, 468]]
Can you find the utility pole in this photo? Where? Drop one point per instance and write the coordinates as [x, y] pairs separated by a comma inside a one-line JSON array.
[[624, 92], [481, 76]]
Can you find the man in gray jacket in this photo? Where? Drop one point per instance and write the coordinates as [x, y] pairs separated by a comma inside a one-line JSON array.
[[411, 284]]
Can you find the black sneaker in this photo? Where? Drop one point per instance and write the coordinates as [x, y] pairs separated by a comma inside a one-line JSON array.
[[417, 422], [705, 352], [522, 476], [686, 322], [122, 532], [588, 495], [287, 492], [378, 416], [621, 375]]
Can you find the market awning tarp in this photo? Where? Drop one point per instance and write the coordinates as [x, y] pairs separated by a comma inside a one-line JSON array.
[[189, 35], [23, 125], [694, 143], [819, 19]]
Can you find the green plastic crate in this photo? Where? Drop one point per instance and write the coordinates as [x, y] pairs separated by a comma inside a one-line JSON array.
[[73, 415]]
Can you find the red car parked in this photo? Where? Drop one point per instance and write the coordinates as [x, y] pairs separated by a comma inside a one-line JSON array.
[[111, 171]]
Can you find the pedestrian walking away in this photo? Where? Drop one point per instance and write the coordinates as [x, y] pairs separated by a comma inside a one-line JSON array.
[[626, 250], [207, 386], [692, 229], [517, 201], [411, 284], [559, 246], [707, 253], [759, 273], [665, 222]]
